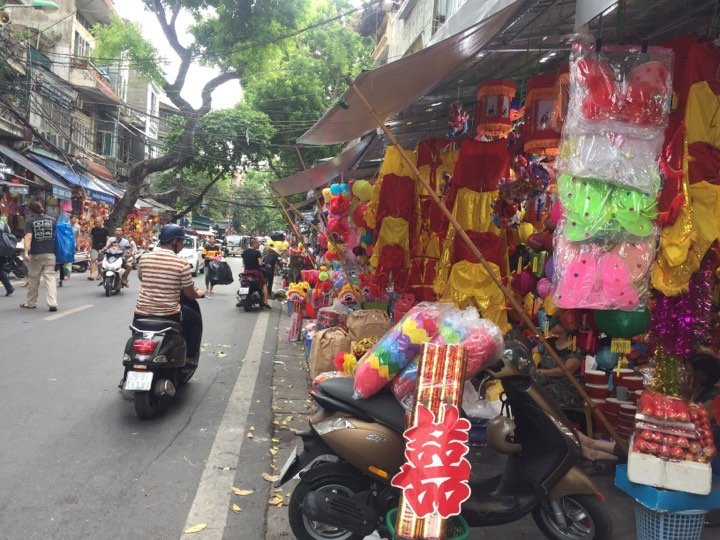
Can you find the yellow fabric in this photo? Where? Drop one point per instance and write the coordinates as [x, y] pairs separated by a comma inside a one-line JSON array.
[[210, 252], [393, 163], [447, 161], [702, 115], [392, 231], [705, 199], [676, 239], [470, 284], [373, 205]]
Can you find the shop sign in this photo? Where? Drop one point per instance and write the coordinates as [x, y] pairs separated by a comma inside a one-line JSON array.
[[61, 192], [103, 198], [19, 189]]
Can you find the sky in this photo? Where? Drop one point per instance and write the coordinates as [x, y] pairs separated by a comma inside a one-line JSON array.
[[224, 97]]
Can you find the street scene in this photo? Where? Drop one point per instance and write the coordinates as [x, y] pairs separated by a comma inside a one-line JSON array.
[[359, 269]]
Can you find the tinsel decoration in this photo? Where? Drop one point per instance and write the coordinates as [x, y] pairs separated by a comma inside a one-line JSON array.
[[678, 322], [667, 373]]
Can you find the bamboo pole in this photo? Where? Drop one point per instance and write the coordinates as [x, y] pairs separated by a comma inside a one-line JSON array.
[[476, 252], [293, 226]]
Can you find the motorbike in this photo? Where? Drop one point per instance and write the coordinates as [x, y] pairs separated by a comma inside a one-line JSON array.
[[353, 448], [112, 271], [82, 262], [249, 295], [14, 264], [154, 362]]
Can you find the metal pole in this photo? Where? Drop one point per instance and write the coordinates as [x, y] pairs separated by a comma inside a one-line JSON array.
[[476, 252]]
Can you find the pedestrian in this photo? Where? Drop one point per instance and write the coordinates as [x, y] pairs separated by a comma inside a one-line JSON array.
[[40, 256], [76, 229], [271, 260], [211, 250], [4, 278], [99, 235]]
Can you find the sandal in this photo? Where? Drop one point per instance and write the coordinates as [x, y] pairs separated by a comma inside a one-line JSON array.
[[27, 306]]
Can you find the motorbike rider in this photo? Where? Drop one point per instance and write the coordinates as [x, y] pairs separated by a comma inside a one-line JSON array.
[[252, 264], [163, 276], [128, 248]]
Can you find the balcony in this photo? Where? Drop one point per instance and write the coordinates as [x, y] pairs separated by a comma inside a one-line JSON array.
[[9, 125], [87, 78]]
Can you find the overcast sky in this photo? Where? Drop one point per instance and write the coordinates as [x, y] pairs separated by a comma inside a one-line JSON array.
[[224, 97]]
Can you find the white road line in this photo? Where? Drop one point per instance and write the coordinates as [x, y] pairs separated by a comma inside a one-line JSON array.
[[213, 494], [62, 314]]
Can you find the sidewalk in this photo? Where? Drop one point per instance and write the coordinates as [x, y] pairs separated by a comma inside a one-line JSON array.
[[291, 405]]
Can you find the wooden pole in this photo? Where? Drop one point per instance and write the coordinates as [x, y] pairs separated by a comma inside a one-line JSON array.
[[476, 252], [293, 226]]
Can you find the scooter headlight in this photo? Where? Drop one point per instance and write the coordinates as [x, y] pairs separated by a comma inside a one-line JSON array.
[[333, 424], [109, 274]]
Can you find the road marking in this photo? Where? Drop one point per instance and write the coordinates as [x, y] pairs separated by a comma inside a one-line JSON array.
[[62, 314], [213, 494]]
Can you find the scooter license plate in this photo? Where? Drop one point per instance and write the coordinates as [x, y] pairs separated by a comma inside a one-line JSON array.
[[244, 290], [138, 381], [290, 460]]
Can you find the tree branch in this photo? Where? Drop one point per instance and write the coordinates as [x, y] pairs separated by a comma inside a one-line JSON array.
[[200, 196], [169, 27], [211, 86]]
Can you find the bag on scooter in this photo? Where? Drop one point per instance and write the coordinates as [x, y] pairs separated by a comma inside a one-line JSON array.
[[325, 346], [220, 273], [64, 243], [7, 243]]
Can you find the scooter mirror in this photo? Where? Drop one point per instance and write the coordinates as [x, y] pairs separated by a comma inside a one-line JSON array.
[[519, 355]]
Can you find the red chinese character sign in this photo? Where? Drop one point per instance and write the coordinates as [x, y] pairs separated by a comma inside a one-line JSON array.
[[435, 477]]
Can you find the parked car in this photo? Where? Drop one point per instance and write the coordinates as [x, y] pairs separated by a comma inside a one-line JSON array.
[[235, 245], [192, 253]]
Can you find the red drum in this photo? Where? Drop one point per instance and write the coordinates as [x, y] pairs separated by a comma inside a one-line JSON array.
[[597, 391], [594, 376]]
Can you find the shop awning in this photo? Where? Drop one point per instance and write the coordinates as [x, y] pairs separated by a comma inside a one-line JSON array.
[[59, 188], [396, 85], [319, 176], [97, 193], [21, 189]]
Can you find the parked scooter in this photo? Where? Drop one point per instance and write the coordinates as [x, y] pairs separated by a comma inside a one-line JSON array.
[[249, 295], [154, 362], [112, 271], [357, 447], [82, 262], [14, 264]]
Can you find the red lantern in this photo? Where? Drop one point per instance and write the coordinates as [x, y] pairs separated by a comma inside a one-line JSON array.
[[539, 135], [492, 110]]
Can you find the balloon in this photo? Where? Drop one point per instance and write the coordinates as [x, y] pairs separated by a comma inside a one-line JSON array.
[[359, 216], [336, 189], [327, 195], [550, 268], [362, 189], [544, 287], [606, 359]]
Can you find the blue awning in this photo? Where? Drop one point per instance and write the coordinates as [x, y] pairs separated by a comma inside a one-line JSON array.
[[97, 193], [59, 189]]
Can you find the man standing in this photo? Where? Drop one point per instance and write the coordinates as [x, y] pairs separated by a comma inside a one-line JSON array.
[[40, 256], [128, 247], [270, 261], [99, 235]]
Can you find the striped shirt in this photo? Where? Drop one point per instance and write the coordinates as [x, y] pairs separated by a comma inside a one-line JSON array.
[[162, 275]]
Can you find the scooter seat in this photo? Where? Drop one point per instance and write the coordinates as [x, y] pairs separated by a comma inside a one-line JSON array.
[[382, 406], [155, 325]]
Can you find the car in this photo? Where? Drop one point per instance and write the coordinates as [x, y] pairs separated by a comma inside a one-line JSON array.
[[192, 253], [235, 244]]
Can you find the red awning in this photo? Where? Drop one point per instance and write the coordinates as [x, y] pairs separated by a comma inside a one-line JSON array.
[[98, 170]]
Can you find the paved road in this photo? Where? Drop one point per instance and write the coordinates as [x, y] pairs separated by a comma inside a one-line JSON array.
[[77, 463]]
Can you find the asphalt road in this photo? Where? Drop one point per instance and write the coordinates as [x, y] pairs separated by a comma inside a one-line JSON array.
[[75, 460]]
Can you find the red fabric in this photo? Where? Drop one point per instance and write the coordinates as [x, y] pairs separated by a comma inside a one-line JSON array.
[[482, 165], [428, 153], [258, 275], [422, 277], [489, 244], [397, 199], [392, 263], [705, 163]]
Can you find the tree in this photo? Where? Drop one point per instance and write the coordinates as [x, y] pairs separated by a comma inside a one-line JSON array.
[[306, 79], [237, 36], [255, 210]]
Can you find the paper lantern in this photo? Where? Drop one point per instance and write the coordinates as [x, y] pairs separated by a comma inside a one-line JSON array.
[[622, 324], [544, 287], [358, 216], [492, 110], [539, 135]]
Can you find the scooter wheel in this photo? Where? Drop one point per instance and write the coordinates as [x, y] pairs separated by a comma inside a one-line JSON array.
[[146, 405], [586, 517], [333, 481], [108, 289]]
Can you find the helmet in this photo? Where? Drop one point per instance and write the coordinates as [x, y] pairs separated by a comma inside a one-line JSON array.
[[277, 236], [170, 232]]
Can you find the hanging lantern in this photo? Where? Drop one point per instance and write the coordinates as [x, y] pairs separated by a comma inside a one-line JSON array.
[[622, 326], [562, 97], [492, 110], [540, 136]]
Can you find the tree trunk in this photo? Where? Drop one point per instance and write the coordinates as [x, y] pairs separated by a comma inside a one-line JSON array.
[[200, 196], [127, 203]]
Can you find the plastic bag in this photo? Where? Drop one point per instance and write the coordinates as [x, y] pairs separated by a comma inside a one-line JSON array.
[[610, 274], [220, 273], [476, 407], [64, 243], [398, 347], [594, 209]]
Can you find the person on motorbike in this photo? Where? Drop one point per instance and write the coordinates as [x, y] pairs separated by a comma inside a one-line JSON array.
[[163, 277], [252, 264], [128, 249]]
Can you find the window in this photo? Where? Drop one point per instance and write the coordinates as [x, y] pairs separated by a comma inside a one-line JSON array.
[[79, 134], [105, 138], [82, 47], [153, 104]]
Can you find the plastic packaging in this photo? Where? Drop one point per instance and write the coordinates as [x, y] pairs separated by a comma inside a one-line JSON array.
[[594, 209], [398, 348], [612, 274]]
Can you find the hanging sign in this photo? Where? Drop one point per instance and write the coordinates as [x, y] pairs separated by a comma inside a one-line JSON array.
[[61, 192], [19, 189], [104, 198]]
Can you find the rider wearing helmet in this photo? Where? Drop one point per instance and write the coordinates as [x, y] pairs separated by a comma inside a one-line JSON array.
[[163, 276]]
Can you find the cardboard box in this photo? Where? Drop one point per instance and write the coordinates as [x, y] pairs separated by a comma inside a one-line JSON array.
[[687, 476]]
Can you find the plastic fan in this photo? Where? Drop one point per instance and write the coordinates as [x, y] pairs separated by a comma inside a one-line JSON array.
[[637, 258], [634, 210], [614, 275], [577, 282]]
